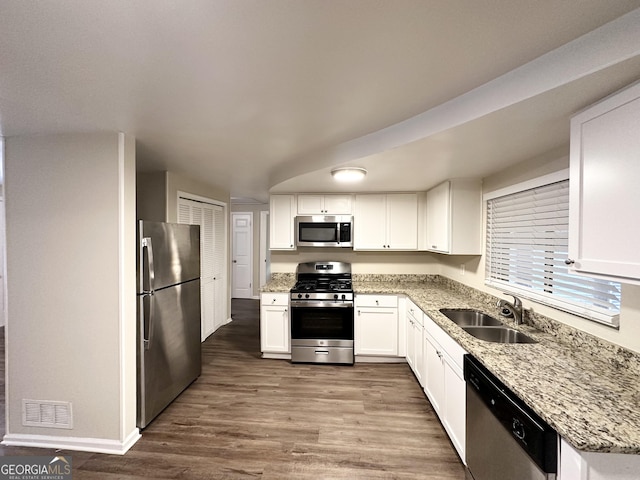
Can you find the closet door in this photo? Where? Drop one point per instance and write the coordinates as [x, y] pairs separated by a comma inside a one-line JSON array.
[[198, 213]]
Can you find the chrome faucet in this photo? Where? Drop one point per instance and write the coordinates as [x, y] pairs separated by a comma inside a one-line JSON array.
[[511, 309]]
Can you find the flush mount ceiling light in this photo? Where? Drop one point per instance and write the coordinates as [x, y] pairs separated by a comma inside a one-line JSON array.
[[348, 174]]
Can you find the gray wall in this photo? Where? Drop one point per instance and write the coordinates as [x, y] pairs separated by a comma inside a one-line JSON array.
[[70, 210], [157, 200]]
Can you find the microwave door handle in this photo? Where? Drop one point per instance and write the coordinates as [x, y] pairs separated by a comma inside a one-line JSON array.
[[338, 233]]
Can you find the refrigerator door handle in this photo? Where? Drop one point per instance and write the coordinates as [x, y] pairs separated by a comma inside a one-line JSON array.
[[146, 243], [147, 332], [147, 321]]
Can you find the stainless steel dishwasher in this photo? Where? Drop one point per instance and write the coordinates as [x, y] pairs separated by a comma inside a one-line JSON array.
[[506, 440]]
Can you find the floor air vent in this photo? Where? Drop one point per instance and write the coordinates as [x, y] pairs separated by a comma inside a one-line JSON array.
[[45, 413]]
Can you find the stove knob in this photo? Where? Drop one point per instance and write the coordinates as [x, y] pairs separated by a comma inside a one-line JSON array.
[[344, 297], [335, 297], [299, 295], [306, 295]]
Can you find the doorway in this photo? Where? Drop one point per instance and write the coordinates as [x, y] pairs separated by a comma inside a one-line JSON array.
[[242, 254]]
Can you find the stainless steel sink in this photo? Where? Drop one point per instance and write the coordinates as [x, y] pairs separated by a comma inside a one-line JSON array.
[[499, 334], [469, 317]]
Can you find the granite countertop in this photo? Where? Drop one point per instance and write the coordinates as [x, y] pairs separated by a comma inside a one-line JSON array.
[[579, 387]]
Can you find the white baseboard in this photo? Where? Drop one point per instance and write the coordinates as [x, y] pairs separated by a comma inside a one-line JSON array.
[[277, 356], [379, 359], [97, 445]]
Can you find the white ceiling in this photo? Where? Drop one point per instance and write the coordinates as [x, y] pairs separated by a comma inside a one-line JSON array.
[[253, 95]]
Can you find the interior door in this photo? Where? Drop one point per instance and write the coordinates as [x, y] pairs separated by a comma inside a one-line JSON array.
[[242, 272], [211, 218]]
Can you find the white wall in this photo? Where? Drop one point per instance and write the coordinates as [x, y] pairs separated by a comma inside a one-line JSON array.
[[70, 208], [361, 262], [177, 182], [628, 335], [2, 235]]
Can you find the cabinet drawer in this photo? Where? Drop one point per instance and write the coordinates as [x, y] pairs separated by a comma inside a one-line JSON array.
[[274, 299], [448, 344], [390, 301]]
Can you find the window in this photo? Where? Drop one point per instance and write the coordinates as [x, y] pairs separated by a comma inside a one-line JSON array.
[[527, 244]]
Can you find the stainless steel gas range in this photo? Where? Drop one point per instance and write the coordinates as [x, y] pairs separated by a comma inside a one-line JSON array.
[[322, 314]]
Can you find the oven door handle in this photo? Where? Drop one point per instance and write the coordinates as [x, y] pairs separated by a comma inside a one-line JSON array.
[[322, 304]]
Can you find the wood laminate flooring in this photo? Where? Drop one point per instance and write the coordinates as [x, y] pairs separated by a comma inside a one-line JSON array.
[[248, 417]]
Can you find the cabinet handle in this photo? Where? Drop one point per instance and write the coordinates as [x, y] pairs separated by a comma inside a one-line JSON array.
[[434, 246], [568, 261], [377, 302], [286, 310], [359, 312]]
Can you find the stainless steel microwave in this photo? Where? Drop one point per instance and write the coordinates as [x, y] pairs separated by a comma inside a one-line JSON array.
[[324, 231]]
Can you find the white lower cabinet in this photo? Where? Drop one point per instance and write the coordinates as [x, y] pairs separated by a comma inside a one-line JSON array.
[[376, 325], [577, 465], [444, 385], [415, 344], [274, 324]]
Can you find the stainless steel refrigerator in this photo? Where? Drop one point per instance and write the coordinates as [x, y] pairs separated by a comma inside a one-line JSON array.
[[169, 355]]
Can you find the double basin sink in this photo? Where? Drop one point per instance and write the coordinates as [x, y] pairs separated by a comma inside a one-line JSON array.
[[485, 327]]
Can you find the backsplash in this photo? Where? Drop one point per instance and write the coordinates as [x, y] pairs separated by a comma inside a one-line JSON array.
[[576, 340], [587, 344]]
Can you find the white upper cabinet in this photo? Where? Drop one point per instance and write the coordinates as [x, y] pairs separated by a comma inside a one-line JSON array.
[[604, 191], [324, 204], [454, 217], [386, 221], [281, 222]]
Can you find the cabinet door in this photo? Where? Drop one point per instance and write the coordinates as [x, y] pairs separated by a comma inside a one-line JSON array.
[[310, 204], [411, 345], [604, 193], [369, 222], [376, 331], [337, 204], [419, 362], [414, 345], [438, 217], [282, 214], [402, 221], [274, 329], [434, 386], [454, 419]]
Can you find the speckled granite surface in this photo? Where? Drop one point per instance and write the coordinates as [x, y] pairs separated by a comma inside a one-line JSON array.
[[280, 282], [585, 388]]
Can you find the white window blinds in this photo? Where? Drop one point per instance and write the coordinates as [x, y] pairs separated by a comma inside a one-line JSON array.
[[527, 237]]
